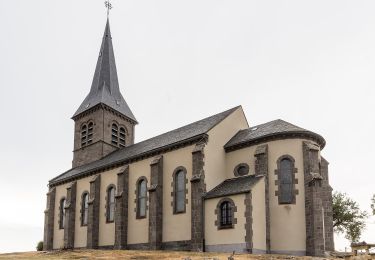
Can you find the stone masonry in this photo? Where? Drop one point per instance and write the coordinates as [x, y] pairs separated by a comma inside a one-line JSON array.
[[261, 168], [198, 188], [93, 216], [156, 204], [121, 214], [315, 245], [249, 222], [49, 220], [70, 215], [101, 145], [327, 205]]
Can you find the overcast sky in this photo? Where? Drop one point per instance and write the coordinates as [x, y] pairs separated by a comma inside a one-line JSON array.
[[311, 63]]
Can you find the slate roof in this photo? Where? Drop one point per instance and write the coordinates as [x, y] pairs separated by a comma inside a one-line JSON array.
[[194, 131], [273, 129], [233, 186], [105, 87]]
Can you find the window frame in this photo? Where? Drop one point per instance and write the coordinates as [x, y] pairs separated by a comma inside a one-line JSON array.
[[84, 210], [176, 191], [114, 134], [62, 213], [139, 197], [110, 205], [230, 212], [280, 179], [87, 133]]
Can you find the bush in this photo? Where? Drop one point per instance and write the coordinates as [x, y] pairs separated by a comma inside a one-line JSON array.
[[39, 247]]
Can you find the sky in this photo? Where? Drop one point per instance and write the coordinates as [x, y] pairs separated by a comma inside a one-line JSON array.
[[311, 63]]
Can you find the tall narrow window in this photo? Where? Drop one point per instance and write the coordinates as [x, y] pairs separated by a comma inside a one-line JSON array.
[[286, 181], [179, 192], [114, 134], [225, 210], [111, 204], [122, 137], [62, 213], [141, 198], [226, 214], [90, 130], [84, 135], [84, 209]]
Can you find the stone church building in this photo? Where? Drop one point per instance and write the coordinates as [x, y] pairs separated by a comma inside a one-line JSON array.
[[217, 184]]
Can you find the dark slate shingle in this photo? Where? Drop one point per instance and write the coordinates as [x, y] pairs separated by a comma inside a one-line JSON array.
[[105, 86], [269, 129], [233, 186], [176, 136]]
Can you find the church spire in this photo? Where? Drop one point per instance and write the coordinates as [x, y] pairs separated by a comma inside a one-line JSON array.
[[105, 87]]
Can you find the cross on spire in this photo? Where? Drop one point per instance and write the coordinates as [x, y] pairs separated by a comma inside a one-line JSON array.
[[108, 5]]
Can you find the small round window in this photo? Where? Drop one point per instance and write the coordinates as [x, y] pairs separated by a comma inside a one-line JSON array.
[[241, 169]]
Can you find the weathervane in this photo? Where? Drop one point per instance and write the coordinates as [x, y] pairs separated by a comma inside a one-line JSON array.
[[108, 5]]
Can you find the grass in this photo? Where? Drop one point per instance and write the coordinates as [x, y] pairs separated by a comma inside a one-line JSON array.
[[149, 255]]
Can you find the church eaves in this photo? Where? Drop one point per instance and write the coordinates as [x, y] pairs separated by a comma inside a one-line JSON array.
[[105, 87]]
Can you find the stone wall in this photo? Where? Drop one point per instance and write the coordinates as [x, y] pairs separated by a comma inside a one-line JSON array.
[[93, 217], [155, 233], [122, 206], [318, 202], [70, 215], [198, 188], [49, 220]]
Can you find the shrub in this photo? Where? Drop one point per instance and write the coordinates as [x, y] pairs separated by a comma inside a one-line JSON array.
[[39, 246]]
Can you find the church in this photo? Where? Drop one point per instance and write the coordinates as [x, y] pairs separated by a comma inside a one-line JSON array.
[[215, 185]]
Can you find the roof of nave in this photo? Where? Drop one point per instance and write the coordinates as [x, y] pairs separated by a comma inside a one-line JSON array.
[[274, 130], [233, 186], [193, 132]]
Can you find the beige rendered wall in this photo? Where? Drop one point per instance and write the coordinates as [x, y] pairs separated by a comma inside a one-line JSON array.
[[106, 230], [245, 155], [259, 216], [80, 234], [215, 157], [137, 228], [234, 235], [288, 231], [58, 239], [176, 227]]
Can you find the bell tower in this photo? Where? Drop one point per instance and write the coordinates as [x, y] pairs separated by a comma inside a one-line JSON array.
[[104, 121]]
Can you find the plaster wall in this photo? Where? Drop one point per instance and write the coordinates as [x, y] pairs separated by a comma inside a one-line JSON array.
[[80, 234], [173, 229], [58, 239], [287, 222], [259, 216], [215, 156], [232, 236], [106, 230], [245, 155], [137, 228]]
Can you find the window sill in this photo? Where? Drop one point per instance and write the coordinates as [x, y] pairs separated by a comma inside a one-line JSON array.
[[179, 212], [226, 227]]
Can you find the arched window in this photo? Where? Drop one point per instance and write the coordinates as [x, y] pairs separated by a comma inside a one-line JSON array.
[[141, 198], [122, 137], [111, 203], [62, 213], [114, 134], [225, 210], [285, 176], [179, 191], [90, 130], [84, 135], [226, 214], [84, 208]]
